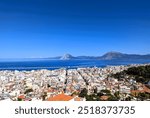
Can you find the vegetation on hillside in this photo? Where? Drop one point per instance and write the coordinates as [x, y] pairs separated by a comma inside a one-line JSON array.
[[140, 74], [97, 96]]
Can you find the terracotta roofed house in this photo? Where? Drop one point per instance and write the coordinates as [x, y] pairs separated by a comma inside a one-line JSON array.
[[60, 97]]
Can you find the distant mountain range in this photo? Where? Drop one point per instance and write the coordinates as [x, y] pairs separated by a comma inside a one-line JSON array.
[[122, 56], [107, 56]]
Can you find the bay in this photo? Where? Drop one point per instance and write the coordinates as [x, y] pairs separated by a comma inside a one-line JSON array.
[[57, 64]]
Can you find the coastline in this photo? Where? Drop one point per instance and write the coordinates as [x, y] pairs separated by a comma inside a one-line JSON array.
[[68, 64]]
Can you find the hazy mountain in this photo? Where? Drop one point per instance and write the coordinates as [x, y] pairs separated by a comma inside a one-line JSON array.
[[67, 57], [122, 56], [86, 57], [112, 55], [107, 56], [70, 57], [54, 58]]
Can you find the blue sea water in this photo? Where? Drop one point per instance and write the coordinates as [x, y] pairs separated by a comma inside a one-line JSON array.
[[56, 64]]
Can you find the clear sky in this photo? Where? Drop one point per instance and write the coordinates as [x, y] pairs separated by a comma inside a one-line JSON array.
[[45, 28]]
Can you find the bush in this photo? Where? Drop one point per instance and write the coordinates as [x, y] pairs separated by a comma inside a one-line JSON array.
[[28, 91], [83, 93], [141, 73]]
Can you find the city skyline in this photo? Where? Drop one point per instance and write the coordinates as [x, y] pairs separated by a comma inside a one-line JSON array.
[[43, 28]]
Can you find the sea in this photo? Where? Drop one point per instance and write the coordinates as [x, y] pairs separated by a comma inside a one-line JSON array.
[[27, 65]]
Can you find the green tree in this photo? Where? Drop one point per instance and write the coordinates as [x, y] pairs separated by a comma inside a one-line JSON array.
[[83, 93], [113, 98], [28, 91], [19, 99]]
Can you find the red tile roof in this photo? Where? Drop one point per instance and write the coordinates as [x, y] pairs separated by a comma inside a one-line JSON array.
[[77, 99], [60, 97], [21, 97], [145, 89]]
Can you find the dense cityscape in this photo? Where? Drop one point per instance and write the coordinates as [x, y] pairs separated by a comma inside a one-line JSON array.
[[81, 84]]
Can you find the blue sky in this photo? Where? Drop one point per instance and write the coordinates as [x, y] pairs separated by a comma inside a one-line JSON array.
[[45, 28]]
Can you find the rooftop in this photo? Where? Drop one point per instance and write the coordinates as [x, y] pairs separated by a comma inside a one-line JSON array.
[[60, 97]]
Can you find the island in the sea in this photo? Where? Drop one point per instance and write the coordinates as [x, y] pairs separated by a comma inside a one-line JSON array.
[[112, 83]]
